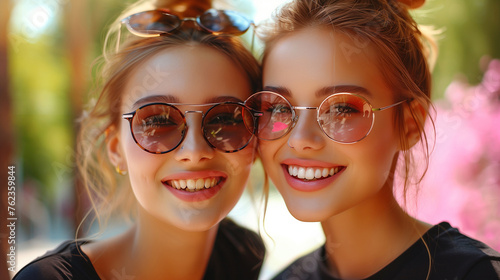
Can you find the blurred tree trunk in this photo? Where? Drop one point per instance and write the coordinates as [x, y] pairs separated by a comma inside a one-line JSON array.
[[6, 134], [77, 41]]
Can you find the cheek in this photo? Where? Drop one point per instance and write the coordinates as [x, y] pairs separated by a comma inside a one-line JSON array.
[[240, 163], [375, 154], [142, 169], [268, 151]]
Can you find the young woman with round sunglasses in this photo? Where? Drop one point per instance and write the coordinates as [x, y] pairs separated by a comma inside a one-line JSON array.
[[170, 120], [347, 88]]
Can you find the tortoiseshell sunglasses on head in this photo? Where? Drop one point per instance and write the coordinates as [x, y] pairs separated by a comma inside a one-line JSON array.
[[155, 23]]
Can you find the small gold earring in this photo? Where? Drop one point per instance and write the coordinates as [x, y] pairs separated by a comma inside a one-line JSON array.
[[119, 171]]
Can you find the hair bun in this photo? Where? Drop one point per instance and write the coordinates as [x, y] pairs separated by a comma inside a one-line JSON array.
[[184, 8], [413, 4]]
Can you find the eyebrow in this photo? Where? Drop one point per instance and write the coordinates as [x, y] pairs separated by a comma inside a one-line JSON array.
[[279, 89], [343, 88], [174, 100], [223, 98], [153, 99], [323, 91]]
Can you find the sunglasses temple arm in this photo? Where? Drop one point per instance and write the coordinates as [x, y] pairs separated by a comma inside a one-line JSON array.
[[253, 37], [390, 106], [118, 38]]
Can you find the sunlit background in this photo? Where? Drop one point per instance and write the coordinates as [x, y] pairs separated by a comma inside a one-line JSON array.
[[48, 46]]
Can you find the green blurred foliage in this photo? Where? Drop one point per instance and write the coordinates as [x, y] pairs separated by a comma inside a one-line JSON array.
[[470, 34], [41, 109], [40, 66]]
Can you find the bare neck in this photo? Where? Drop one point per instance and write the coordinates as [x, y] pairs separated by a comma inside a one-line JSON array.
[[152, 250], [366, 238]]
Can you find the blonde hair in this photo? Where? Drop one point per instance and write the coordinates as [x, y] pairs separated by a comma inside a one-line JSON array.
[[406, 54], [110, 193]]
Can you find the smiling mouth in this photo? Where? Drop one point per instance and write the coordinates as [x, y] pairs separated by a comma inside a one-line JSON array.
[[312, 173], [194, 185]]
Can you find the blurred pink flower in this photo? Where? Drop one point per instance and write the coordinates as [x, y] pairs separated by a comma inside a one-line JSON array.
[[462, 184]]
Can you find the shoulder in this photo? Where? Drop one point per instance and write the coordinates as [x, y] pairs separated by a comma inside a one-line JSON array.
[[238, 253], [65, 262], [454, 252], [485, 268], [308, 267]]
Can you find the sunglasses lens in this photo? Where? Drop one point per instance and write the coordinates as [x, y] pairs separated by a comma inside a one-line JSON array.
[[276, 114], [152, 23], [228, 127], [158, 128], [221, 21], [345, 118]]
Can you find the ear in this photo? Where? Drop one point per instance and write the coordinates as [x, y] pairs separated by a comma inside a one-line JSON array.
[[414, 120], [114, 149]]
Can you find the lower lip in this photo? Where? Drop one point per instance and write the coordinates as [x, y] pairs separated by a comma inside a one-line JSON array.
[[309, 186], [200, 195]]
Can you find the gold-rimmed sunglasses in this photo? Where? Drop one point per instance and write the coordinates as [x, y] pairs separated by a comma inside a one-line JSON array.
[[344, 117]]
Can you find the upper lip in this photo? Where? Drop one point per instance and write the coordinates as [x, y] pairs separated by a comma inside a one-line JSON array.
[[308, 163], [194, 175]]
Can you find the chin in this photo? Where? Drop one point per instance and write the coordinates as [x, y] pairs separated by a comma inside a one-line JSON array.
[[306, 210], [307, 214], [198, 225]]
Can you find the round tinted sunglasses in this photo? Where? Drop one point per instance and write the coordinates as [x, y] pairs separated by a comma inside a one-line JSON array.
[[159, 128], [343, 117], [157, 22]]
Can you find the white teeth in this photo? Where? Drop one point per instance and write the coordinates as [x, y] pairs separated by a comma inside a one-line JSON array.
[[311, 173], [318, 173], [176, 185], [325, 172], [192, 185], [200, 184], [182, 184], [302, 173], [207, 183]]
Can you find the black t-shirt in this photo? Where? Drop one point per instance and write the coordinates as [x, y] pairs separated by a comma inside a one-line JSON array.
[[454, 256], [238, 254]]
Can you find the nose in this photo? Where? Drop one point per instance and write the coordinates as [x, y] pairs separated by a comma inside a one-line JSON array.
[[306, 134], [194, 148]]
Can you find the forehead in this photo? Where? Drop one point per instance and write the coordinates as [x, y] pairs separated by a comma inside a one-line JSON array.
[[318, 57], [186, 74]]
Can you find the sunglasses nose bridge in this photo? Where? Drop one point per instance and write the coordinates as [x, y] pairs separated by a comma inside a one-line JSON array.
[[193, 148], [303, 108], [190, 112], [193, 123], [304, 135], [193, 111], [194, 126], [307, 117], [191, 20]]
